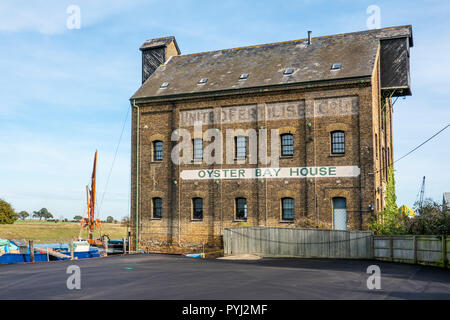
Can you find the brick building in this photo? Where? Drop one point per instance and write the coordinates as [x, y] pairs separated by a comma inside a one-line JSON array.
[[329, 100]]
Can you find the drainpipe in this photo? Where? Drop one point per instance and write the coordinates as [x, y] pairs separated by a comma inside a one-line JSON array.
[[137, 172]]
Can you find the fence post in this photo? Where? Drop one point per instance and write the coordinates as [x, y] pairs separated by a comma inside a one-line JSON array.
[[372, 245], [105, 246], [415, 249], [391, 248], [31, 251], [444, 251], [71, 250]]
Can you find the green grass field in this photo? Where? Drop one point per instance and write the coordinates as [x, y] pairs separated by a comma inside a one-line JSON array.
[[42, 231]]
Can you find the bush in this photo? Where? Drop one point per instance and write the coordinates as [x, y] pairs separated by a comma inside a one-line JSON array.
[[390, 220], [432, 219], [7, 214]]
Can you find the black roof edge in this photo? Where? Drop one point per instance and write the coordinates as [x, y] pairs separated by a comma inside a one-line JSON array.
[[282, 87]]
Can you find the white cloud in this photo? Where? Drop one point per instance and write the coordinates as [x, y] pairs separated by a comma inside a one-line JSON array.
[[50, 16]]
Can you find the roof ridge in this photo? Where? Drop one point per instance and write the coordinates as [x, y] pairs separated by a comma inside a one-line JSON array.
[[293, 41]]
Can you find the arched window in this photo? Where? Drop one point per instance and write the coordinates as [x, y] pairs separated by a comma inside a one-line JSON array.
[[287, 209], [337, 142], [157, 150], [197, 208], [157, 208], [287, 144], [241, 209]]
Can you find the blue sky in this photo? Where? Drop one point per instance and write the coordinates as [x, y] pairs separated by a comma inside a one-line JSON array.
[[64, 93]]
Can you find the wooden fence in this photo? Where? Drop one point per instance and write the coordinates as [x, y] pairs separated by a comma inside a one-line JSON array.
[[312, 243], [306, 243], [413, 249]]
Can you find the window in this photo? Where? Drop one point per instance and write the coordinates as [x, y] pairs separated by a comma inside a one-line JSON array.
[[197, 208], [157, 150], [241, 147], [337, 142], [288, 71], [287, 209], [336, 66], [203, 81], [243, 76], [198, 149], [241, 209], [157, 208], [287, 144], [164, 85], [376, 145]]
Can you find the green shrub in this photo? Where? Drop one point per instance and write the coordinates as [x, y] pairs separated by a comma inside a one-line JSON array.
[[7, 214]]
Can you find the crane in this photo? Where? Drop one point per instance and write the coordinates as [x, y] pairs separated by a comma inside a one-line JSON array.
[[421, 195]]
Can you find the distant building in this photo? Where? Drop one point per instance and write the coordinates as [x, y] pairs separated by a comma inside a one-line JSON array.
[[446, 200], [330, 100]]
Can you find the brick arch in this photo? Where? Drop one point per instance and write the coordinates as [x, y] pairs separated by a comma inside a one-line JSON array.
[[287, 129], [337, 127]]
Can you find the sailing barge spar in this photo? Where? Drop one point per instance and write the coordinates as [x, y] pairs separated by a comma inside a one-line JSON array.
[[90, 222]]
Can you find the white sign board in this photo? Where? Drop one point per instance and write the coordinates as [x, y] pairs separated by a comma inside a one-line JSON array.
[[267, 173]]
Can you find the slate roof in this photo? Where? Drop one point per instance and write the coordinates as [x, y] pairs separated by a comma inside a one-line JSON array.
[[356, 52], [159, 42]]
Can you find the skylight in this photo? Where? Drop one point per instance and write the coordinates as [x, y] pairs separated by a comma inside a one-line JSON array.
[[243, 76], [202, 80], [336, 66], [288, 71], [165, 85]]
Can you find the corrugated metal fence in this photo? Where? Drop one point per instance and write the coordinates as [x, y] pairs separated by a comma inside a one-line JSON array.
[[311, 243], [306, 243], [413, 249]]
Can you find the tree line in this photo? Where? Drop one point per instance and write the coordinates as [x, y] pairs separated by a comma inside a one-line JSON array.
[[9, 216]]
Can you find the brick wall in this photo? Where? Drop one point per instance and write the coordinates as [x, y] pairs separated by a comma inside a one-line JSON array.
[[176, 231]]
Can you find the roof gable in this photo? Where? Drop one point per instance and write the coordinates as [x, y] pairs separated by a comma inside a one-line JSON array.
[[356, 52]]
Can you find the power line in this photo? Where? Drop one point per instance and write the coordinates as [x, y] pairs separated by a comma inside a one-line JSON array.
[[114, 160], [422, 143], [407, 154]]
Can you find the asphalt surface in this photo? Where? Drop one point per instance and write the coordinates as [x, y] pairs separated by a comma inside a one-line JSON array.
[[178, 277]]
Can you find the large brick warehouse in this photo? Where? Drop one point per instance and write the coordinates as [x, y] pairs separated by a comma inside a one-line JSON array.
[[319, 109]]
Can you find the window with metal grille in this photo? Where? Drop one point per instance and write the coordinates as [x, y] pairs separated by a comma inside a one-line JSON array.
[[338, 142], [197, 212], [241, 209], [287, 144], [287, 205], [157, 208], [157, 150], [241, 147], [198, 149]]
